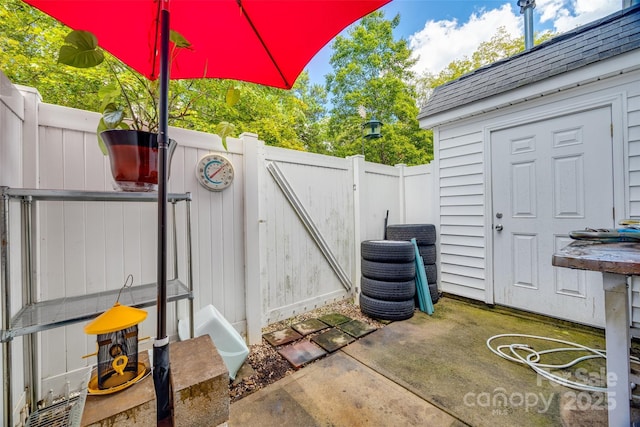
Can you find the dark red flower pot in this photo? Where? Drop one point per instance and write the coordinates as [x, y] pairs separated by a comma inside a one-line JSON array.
[[133, 155]]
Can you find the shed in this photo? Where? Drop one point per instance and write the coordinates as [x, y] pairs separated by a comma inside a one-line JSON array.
[[528, 149]]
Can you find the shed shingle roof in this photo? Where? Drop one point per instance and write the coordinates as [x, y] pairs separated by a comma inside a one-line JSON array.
[[612, 35]]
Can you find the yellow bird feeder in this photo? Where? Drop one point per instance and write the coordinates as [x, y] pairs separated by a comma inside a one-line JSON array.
[[117, 331]]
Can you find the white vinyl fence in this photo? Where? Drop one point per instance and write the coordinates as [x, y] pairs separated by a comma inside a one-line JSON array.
[[281, 240]]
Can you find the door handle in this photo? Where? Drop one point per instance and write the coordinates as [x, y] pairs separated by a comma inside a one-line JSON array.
[[499, 227]]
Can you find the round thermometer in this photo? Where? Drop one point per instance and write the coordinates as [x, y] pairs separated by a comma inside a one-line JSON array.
[[214, 172]]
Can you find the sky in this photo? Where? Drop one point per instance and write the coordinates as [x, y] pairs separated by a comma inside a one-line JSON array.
[[440, 31]]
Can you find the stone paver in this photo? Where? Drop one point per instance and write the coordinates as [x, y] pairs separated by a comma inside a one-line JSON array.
[[309, 326], [302, 353], [281, 337], [344, 331], [334, 319], [333, 339], [356, 328]]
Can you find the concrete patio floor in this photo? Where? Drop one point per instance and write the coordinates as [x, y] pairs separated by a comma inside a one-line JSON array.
[[434, 371]]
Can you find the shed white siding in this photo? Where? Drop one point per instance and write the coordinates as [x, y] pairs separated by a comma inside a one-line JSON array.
[[461, 202], [463, 169], [633, 123], [633, 136]]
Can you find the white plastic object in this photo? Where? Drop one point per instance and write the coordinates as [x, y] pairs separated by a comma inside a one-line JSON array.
[[227, 340]]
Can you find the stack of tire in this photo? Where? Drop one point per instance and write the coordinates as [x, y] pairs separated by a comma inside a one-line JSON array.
[[425, 235], [387, 286]]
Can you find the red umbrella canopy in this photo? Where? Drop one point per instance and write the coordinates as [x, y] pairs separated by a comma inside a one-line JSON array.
[[261, 41]]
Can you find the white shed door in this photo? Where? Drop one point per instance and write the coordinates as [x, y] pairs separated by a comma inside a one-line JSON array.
[[549, 178]]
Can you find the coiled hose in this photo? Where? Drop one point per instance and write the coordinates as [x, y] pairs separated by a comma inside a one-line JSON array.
[[533, 358]]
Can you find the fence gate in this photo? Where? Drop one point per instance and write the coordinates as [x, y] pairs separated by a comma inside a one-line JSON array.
[[309, 224]]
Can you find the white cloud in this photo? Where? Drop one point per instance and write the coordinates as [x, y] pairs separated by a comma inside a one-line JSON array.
[[548, 10], [441, 42], [579, 12]]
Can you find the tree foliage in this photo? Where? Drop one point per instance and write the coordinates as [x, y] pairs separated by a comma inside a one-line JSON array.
[[372, 71], [501, 45], [29, 43]]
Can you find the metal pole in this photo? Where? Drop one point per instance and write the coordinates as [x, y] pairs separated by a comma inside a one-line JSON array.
[[528, 28], [162, 177], [192, 333], [174, 235], [526, 8], [161, 366], [29, 297], [5, 296]]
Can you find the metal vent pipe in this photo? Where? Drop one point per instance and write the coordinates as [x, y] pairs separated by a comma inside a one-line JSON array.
[[526, 8]]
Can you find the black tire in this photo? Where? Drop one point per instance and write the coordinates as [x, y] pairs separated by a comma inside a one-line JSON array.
[[425, 234], [428, 253], [387, 250], [388, 291], [386, 310], [431, 270], [389, 271], [433, 290]]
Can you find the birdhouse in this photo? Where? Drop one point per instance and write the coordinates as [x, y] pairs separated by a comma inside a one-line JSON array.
[[117, 335]]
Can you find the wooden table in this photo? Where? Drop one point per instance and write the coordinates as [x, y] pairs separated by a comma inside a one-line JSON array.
[[616, 261]]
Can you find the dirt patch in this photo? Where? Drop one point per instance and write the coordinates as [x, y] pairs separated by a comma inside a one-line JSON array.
[[269, 366]]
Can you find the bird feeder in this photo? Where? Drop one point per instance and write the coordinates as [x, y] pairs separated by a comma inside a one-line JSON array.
[[117, 336], [372, 129]]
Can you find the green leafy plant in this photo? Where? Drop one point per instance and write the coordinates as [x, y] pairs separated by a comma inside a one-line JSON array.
[[130, 101]]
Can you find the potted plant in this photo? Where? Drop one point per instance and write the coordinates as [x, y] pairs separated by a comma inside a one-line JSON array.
[[127, 130]]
